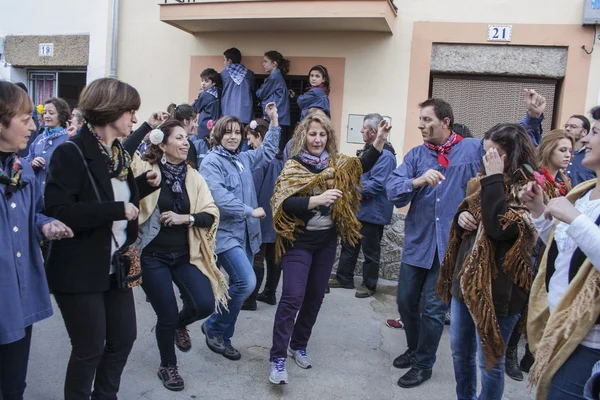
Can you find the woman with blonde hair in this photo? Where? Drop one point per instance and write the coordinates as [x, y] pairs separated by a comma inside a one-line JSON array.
[[316, 199], [553, 156]]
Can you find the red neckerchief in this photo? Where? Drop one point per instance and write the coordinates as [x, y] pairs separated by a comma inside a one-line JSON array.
[[561, 187], [321, 86], [445, 148]]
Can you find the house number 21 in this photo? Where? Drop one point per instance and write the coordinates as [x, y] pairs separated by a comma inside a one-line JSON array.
[[499, 33]]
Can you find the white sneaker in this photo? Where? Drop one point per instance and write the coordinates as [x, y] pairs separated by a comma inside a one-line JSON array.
[[278, 375], [301, 358]]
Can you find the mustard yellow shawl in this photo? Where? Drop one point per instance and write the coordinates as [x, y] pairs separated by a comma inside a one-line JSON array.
[[554, 337], [201, 240], [343, 173]]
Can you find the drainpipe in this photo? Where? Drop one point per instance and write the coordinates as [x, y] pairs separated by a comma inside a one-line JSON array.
[[115, 34]]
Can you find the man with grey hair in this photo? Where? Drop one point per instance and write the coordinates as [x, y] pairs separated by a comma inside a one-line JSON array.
[[375, 212]]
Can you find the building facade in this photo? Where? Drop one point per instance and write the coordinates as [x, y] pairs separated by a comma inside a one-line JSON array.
[[382, 56]]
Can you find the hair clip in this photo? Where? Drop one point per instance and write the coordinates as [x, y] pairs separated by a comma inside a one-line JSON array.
[[157, 136], [253, 125]]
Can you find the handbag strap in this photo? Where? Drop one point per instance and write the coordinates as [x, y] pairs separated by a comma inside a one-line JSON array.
[[93, 182]]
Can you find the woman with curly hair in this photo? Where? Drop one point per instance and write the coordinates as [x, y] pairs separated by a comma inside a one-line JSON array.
[[316, 199]]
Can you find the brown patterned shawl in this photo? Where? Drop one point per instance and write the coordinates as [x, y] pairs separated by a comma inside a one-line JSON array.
[[343, 173], [479, 268]]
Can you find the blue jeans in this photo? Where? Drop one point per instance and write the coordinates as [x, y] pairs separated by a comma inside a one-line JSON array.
[[159, 272], [423, 328], [465, 344], [238, 265], [570, 379]]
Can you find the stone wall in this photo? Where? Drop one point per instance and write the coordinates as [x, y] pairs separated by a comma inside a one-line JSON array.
[[69, 51], [391, 250]]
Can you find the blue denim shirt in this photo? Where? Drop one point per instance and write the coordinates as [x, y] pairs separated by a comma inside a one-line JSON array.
[[375, 207], [233, 189], [238, 100], [274, 89], [202, 148], [44, 146], [264, 183], [24, 296], [432, 209], [315, 97], [576, 171], [208, 108], [533, 127]]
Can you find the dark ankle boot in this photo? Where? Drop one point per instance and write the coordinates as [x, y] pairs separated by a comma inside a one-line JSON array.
[[527, 360], [511, 364], [267, 297]]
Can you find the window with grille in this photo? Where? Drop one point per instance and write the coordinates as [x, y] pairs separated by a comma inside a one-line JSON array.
[[480, 102]]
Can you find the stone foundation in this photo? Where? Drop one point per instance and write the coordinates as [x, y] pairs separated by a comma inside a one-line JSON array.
[[391, 250]]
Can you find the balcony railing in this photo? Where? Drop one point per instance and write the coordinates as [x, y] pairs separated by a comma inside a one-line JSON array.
[[197, 16]]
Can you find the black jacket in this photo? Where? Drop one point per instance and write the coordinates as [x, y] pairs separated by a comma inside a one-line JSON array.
[[508, 297], [82, 264]]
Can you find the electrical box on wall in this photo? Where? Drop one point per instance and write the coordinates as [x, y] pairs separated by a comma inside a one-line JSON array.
[[591, 12], [355, 123]]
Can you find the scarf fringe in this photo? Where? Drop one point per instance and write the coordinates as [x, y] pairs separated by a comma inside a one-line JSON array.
[[344, 173], [562, 324], [479, 268]]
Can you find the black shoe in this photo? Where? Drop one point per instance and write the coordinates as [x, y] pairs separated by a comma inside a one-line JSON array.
[[511, 365], [414, 377], [267, 297], [364, 292], [232, 353], [170, 378], [214, 342], [327, 290], [249, 305], [403, 360], [334, 283], [182, 339], [527, 360]]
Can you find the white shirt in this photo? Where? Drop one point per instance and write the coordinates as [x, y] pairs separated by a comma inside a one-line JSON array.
[[119, 228], [582, 233]]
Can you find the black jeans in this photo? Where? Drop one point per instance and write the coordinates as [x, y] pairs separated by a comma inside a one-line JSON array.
[[159, 272], [371, 247], [14, 358], [102, 329], [267, 252]]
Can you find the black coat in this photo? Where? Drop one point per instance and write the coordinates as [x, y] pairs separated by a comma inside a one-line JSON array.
[[82, 264]]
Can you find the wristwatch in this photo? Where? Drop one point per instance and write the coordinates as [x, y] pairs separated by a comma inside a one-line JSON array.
[[192, 220]]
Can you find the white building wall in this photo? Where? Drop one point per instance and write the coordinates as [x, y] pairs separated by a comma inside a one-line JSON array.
[[61, 17]]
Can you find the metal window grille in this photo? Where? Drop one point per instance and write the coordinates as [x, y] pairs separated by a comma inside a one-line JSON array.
[[480, 102]]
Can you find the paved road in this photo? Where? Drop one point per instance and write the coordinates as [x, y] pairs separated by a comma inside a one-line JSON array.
[[351, 347]]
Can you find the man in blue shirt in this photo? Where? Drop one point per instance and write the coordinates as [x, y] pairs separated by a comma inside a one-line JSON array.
[[375, 212], [536, 104], [579, 127], [433, 179]]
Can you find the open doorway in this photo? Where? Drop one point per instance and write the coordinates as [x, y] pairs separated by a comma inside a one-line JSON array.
[[65, 84]]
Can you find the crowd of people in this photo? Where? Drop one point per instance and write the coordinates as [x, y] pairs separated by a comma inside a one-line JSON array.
[[502, 230]]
